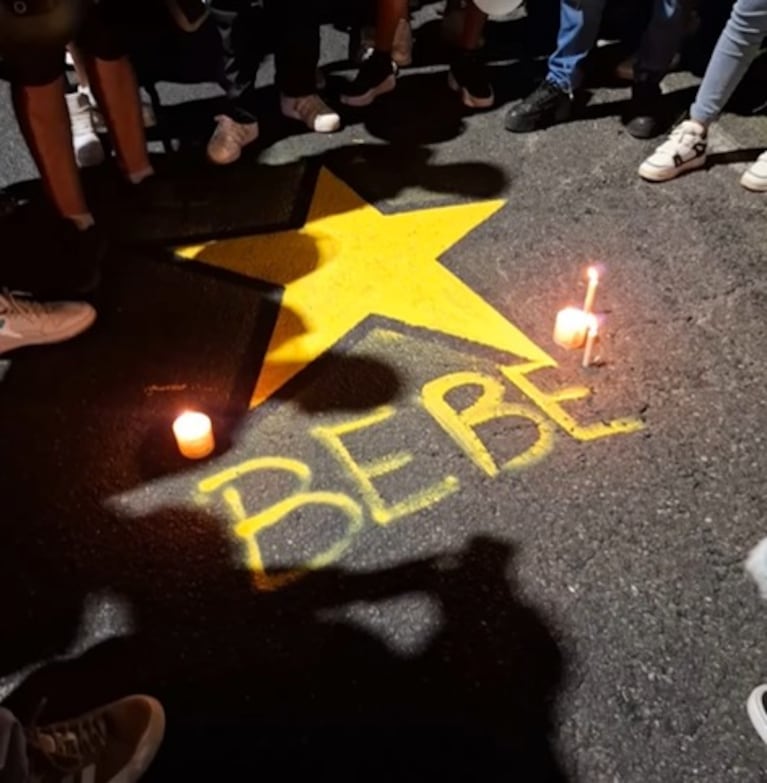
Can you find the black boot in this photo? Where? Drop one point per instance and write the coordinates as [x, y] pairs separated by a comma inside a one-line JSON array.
[[643, 116]]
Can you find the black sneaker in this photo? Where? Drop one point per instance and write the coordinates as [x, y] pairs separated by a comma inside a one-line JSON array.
[[469, 76], [376, 76], [546, 105], [642, 119]]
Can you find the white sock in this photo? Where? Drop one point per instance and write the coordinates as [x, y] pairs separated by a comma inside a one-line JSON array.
[[137, 177], [83, 221]]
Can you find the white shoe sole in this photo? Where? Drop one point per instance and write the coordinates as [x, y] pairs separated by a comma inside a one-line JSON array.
[[653, 174], [358, 101], [73, 329], [756, 712], [470, 101], [753, 183]]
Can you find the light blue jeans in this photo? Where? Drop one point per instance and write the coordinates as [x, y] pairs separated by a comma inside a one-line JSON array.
[[735, 50], [579, 22], [13, 750]]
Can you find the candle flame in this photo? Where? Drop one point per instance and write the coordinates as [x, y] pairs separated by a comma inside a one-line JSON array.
[[593, 274]]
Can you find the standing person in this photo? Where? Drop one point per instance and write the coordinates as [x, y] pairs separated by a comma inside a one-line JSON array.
[[33, 37], [296, 29], [378, 73], [552, 101], [687, 146], [115, 742]]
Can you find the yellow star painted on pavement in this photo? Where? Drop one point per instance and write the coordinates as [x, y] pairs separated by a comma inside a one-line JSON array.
[[349, 261]]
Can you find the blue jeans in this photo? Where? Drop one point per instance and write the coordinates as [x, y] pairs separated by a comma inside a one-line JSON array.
[[735, 50], [579, 23]]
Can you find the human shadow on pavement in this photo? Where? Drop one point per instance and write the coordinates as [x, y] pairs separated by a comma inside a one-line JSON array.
[[428, 669]]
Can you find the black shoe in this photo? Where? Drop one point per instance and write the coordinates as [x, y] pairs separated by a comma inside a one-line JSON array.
[[642, 119], [48, 256], [376, 76], [545, 106], [469, 76]]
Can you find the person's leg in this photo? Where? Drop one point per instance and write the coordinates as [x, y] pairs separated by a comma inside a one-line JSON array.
[[14, 766], [735, 50], [660, 44], [297, 54], [552, 101], [237, 23], [42, 114], [377, 74], [114, 85], [579, 22], [468, 73]]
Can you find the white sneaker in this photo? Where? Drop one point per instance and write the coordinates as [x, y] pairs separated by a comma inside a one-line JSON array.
[[148, 117], [755, 176], [312, 111], [88, 149], [24, 321], [684, 150], [229, 138], [757, 710]]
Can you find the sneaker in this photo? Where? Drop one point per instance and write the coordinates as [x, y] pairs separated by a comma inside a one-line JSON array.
[[148, 117], [755, 177], [468, 76], [24, 321], [757, 710], [684, 150], [545, 106], [642, 119], [115, 743], [402, 47], [376, 76], [88, 149], [229, 138], [312, 111]]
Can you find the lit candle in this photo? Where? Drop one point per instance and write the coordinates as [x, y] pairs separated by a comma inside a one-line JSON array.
[[591, 340], [591, 291], [194, 435], [571, 328]]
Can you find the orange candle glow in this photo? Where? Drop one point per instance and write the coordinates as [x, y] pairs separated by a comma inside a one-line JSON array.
[[194, 435], [571, 328], [591, 292]]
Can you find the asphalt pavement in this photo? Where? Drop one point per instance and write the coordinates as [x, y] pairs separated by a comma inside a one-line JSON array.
[[429, 542]]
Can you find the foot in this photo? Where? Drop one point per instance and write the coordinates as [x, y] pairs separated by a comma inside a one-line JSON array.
[[642, 118], [545, 106], [684, 150], [757, 710], [402, 47], [376, 76], [312, 111], [88, 149], [116, 742], [24, 322], [469, 76], [755, 177], [229, 139]]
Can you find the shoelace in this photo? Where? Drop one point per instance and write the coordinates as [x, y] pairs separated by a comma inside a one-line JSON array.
[[67, 746], [17, 303], [230, 130], [684, 134], [82, 120]]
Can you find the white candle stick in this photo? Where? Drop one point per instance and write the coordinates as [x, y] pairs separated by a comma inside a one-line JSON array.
[[591, 291], [591, 340]]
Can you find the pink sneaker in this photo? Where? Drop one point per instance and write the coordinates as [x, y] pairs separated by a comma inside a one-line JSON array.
[[229, 138]]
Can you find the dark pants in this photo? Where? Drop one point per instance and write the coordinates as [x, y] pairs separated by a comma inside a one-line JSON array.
[[248, 30]]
